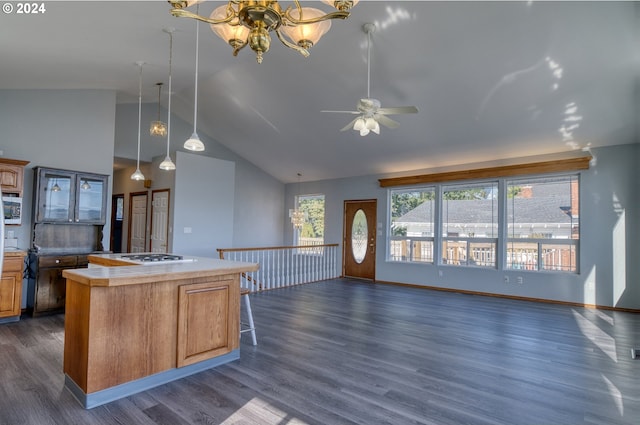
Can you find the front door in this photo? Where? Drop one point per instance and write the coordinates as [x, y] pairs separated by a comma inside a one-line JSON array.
[[359, 247]]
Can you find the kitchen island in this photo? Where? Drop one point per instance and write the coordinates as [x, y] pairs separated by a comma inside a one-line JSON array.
[[130, 327]]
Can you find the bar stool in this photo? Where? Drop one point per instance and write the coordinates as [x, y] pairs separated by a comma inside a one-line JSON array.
[[244, 327]]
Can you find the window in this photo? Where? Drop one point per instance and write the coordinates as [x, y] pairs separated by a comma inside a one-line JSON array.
[[312, 232], [470, 224], [540, 230], [543, 224], [412, 225]]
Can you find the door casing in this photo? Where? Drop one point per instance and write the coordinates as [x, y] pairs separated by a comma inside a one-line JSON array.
[[350, 267]]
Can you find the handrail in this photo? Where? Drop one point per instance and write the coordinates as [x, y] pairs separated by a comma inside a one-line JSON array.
[[284, 266], [221, 251]]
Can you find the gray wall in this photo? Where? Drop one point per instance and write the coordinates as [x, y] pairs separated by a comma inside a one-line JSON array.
[[203, 205], [258, 203], [609, 257], [69, 129]]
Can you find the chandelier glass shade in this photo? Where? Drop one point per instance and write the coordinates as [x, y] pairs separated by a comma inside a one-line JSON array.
[[240, 23], [158, 128]]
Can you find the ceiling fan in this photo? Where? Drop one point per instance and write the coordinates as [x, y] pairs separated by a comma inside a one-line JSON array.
[[370, 112]]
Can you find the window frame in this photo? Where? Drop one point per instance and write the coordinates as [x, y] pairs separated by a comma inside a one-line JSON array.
[[297, 232], [541, 242], [502, 238], [411, 241]]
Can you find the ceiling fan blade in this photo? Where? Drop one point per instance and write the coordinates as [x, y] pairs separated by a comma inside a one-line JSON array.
[[387, 122], [398, 110], [350, 125], [343, 112]]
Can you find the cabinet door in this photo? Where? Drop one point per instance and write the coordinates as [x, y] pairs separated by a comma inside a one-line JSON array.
[[10, 294], [208, 321], [56, 196], [11, 177], [91, 198], [50, 290]]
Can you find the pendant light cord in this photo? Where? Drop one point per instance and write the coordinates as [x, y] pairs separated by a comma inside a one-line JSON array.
[[368, 64], [159, 93], [195, 102], [139, 113], [169, 102]]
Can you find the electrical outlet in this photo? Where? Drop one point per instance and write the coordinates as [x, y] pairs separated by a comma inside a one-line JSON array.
[[519, 280], [506, 279], [440, 273]]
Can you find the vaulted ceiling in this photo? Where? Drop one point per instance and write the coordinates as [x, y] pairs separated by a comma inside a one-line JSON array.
[[491, 80]]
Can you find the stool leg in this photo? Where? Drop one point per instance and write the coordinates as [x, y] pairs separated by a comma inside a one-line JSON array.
[[247, 304]]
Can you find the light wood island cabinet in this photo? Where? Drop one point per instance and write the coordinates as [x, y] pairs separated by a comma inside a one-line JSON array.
[[130, 328]]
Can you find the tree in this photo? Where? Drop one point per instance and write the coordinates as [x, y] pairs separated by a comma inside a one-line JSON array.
[[313, 206]]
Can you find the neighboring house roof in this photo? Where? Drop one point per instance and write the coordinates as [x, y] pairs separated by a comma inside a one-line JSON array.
[[552, 209]]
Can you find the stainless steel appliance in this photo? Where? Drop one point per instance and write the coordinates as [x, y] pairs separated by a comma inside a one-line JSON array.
[[155, 258]]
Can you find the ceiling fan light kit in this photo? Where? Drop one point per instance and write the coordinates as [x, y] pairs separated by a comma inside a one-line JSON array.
[[249, 22], [370, 110]]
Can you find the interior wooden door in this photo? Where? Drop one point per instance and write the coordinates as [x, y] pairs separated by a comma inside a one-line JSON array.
[[136, 241], [359, 241], [159, 220]]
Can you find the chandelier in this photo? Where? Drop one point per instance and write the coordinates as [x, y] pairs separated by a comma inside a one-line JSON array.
[[248, 22], [298, 218]]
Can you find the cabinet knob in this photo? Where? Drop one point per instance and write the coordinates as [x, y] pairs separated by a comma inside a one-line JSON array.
[[57, 261]]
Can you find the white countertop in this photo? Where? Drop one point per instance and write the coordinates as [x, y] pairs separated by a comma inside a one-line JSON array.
[[118, 275]]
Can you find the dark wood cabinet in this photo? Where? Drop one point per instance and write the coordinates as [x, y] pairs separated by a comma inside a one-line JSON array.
[[47, 286], [65, 196]]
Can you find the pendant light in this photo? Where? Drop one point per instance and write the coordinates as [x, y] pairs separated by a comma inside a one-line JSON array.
[[168, 164], [297, 216], [137, 175], [194, 143], [158, 128]]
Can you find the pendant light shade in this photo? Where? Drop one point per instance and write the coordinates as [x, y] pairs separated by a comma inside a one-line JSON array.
[[194, 143], [137, 175], [168, 164], [157, 127]]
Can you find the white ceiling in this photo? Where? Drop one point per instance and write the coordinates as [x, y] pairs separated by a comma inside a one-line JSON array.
[[491, 80]]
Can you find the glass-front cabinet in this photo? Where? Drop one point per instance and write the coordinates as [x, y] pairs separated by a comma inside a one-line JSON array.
[[64, 196]]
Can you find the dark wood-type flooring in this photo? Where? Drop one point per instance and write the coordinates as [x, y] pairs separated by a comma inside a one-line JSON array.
[[348, 352]]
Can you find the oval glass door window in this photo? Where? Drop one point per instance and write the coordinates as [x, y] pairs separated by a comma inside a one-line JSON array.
[[359, 235]]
